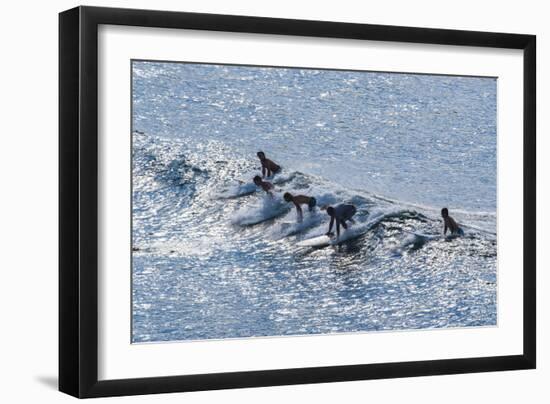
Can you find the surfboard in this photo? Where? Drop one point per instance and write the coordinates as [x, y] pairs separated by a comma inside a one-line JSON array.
[[323, 240], [319, 241], [350, 234]]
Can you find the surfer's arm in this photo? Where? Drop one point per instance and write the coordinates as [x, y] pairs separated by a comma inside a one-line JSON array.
[[338, 228], [445, 229], [330, 225], [268, 189], [263, 170]]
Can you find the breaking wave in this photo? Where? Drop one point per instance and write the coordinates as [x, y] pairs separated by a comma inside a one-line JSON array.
[[196, 206]]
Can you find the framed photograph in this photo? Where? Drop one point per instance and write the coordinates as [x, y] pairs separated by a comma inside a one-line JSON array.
[[251, 201]]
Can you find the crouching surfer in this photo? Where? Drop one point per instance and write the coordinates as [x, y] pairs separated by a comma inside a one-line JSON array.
[[268, 166], [450, 224], [300, 200], [265, 185], [341, 214]]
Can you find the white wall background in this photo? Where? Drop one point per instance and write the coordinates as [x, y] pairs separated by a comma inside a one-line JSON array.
[[28, 202]]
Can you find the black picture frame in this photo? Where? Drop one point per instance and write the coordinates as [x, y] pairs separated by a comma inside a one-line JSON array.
[[78, 201]]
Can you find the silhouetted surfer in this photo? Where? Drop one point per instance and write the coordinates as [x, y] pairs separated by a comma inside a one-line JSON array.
[[300, 200], [341, 214], [450, 223], [268, 166], [266, 186]]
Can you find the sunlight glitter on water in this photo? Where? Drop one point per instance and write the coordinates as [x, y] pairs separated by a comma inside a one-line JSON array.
[[214, 258]]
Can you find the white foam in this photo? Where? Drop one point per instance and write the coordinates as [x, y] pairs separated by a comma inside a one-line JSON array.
[[267, 208], [235, 190], [289, 225]]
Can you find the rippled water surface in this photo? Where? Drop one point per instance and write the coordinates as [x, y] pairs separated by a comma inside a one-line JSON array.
[[213, 257]]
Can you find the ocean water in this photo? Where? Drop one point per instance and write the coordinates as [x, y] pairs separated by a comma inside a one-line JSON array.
[[214, 257]]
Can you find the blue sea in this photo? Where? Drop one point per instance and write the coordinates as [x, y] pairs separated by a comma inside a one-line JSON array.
[[214, 257]]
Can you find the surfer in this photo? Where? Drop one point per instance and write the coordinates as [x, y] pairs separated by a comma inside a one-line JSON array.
[[268, 166], [341, 213], [298, 200], [450, 224], [266, 186]]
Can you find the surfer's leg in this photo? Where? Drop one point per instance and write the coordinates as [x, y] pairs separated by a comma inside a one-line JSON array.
[[348, 216]]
